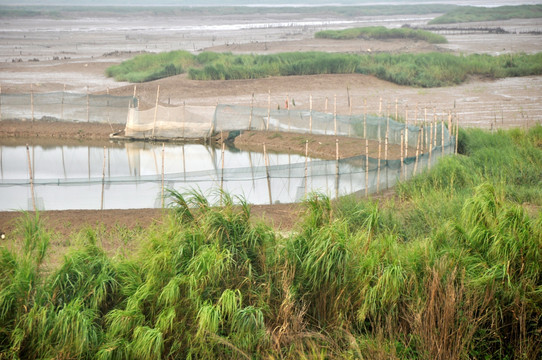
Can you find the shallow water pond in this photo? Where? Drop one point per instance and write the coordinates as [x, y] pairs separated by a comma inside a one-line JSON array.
[[136, 175]]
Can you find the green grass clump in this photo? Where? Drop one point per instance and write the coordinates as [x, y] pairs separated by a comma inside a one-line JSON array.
[[381, 32], [421, 70], [148, 67], [451, 268], [472, 14]]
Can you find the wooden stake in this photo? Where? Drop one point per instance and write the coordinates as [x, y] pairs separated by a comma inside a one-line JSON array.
[[103, 179], [31, 177], [155, 110], [380, 107], [0, 102]]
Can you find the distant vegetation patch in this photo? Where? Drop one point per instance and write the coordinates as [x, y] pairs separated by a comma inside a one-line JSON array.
[[191, 11], [420, 70], [381, 32], [471, 13]]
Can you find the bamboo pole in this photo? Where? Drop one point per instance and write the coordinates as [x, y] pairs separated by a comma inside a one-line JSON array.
[[417, 151], [251, 112], [32, 100], [155, 110], [406, 131], [88, 106], [325, 108], [268, 109], [456, 134], [350, 115], [310, 113], [402, 156], [425, 125], [386, 146], [435, 119], [365, 118], [335, 113], [62, 103], [380, 107], [0, 102], [378, 166], [222, 153], [88, 160], [288, 107], [430, 144], [441, 136], [306, 168], [396, 109], [163, 171], [336, 168], [366, 167], [266, 158], [103, 179], [184, 163], [450, 129], [31, 177]]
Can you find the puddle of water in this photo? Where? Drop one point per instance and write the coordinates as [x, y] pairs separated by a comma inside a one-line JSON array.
[[93, 177]]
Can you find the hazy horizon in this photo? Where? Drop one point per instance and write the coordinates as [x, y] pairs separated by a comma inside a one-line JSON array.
[[267, 3]]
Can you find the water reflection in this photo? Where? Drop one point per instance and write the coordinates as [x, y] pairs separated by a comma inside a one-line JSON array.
[[135, 174]]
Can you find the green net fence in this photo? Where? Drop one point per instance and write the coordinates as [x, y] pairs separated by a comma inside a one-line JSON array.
[[66, 106], [422, 143]]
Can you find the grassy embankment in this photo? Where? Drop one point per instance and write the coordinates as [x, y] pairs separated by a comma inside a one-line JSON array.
[[465, 14], [422, 70], [381, 32], [451, 268]]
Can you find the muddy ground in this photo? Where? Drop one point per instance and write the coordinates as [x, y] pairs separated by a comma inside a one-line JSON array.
[[56, 54]]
